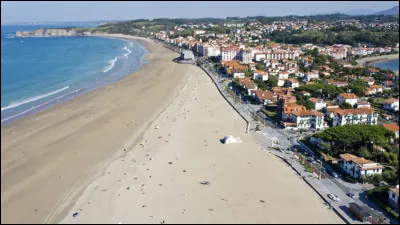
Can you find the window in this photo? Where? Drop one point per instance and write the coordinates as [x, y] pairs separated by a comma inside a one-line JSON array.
[[393, 195]]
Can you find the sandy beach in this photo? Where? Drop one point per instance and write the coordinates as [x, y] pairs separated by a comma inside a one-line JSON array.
[[135, 152], [371, 60], [47, 158]]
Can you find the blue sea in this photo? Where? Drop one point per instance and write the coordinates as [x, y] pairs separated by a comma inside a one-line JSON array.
[[39, 72], [389, 64]]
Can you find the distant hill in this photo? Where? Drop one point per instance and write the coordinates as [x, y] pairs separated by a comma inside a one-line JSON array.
[[357, 12], [392, 11]]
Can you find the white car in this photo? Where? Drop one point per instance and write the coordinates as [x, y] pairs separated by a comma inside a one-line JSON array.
[[333, 197]]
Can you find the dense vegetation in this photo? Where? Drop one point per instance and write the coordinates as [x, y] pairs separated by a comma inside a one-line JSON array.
[[350, 36], [380, 196], [361, 140], [326, 91]]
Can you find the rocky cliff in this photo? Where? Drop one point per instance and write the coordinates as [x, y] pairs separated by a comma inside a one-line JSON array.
[[44, 32]]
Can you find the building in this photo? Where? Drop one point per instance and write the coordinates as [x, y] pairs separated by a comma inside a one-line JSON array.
[[350, 98], [260, 75], [394, 198], [288, 109], [248, 84], [311, 75], [392, 127], [247, 56], [358, 167], [211, 51], [363, 104], [234, 68], [373, 89], [355, 116], [304, 119], [230, 53], [292, 83], [317, 103], [263, 97], [391, 104], [187, 55]]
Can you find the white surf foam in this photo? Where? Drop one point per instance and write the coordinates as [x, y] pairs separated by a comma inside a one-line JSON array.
[[111, 64], [16, 104], [35, 107]]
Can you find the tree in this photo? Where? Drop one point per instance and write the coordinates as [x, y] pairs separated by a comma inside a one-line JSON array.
[[364, 152], [345, 105], [260, 66], [272, 81]]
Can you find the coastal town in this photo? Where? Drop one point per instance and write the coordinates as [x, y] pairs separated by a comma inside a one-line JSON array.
[[243, 119], [309, 92]]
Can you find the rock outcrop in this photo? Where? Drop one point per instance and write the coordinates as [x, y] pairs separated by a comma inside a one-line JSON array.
[[44, 32]]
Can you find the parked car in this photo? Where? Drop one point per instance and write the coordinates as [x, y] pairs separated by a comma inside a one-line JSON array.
[[323, 170], [333, 197], [383, 184], [351, 195], [311, 160], [318, 161], [333, 173]]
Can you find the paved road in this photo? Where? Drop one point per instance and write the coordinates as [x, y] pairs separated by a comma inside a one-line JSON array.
[[288, 139]]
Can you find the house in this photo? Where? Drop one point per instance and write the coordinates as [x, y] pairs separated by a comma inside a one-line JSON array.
[[292, 83], [363, 104], [263, 97], [331, 111], [311, 75], [286, 98], [248, 84], [387, 83], [260, 75], [387, 116], [372, 71], [373, 89], [288, 109], [281, 83], [305, 93], [394, 198], [368, 80], [358, 167], [283, 75], [304, 119], [350, 98], [355, 116], [392, 127], [234, 68], [391, 104], [317, 103]]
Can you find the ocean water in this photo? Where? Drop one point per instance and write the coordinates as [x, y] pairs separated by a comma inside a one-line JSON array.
[[39, 72], [389, 64]]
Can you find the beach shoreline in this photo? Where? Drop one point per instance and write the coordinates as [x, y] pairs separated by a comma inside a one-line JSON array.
[[85, 89], [368, 61], [64, 127]]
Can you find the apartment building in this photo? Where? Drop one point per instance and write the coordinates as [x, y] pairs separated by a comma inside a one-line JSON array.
[[355, 116], [305, 119], [230, 53]]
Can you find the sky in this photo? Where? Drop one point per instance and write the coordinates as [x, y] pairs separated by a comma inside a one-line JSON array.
[[62, 11]]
